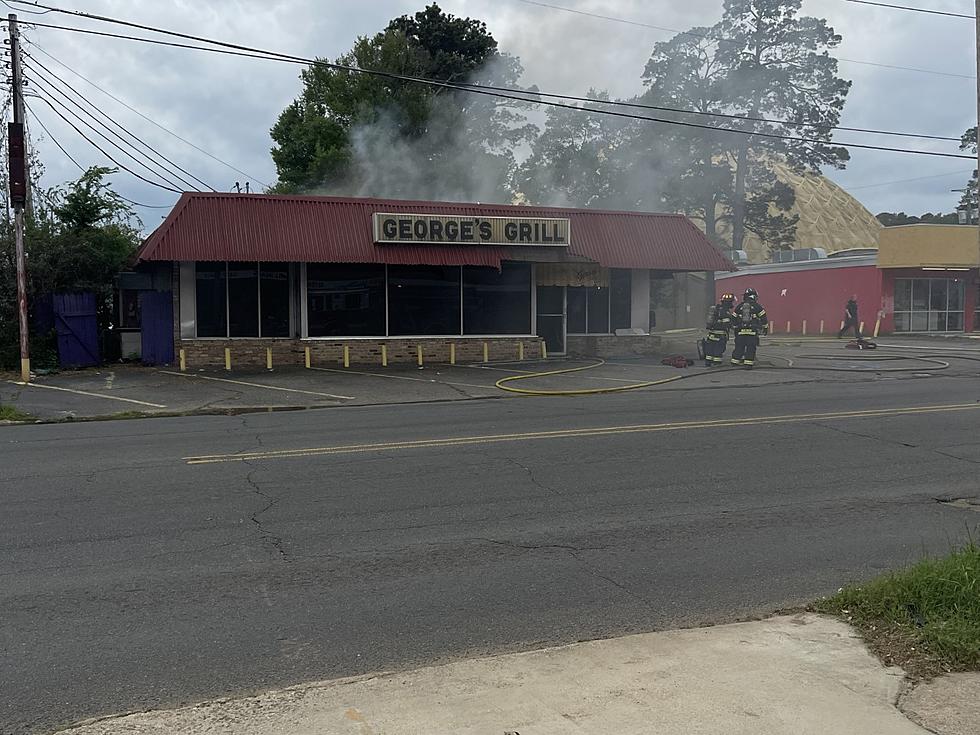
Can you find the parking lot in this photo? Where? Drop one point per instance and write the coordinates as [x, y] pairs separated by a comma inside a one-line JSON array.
[[124, 390]]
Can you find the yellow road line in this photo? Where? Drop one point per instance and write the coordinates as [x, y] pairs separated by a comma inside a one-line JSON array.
[[87, 393], [574, 433], [430, 381], [258, 385]]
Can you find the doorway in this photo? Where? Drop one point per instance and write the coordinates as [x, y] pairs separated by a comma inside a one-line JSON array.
[[551, 318]]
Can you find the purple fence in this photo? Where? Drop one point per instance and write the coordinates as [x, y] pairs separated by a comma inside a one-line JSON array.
[[76, 321], [157, 325]]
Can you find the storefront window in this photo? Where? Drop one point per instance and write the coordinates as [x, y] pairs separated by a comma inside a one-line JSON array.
[[620, 299], [345, 300], [423, 300], [243, 299], [928, 305], [588, 310], [274, 297], [497, 302], [212, 299]]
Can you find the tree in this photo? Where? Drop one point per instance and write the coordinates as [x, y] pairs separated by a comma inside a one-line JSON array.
[[79, 238], [577, 160], [893, 219], [350, 131], [778, 68], [969, 200]]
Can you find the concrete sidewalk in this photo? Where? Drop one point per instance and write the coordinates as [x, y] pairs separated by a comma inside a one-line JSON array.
[[789, 675]]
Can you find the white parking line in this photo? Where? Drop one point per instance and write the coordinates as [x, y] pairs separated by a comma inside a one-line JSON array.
[[87, 393], [258, 385], [404, 377]]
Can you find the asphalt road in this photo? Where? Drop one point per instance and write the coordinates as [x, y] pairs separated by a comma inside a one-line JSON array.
[[352, 540]]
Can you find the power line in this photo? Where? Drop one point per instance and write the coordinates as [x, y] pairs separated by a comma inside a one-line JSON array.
[[707, 37], [250, 52], [265, 54], [908, 181], [148, 119], [101, 150], [43, 86], [51, 77], [912, 9]]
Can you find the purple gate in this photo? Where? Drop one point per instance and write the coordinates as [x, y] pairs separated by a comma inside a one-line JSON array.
[[157, 325], [76, 322]]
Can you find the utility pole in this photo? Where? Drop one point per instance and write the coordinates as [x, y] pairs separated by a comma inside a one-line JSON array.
[[18, 191]]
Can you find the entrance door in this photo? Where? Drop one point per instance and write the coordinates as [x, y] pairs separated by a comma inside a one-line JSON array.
[[551, 317]]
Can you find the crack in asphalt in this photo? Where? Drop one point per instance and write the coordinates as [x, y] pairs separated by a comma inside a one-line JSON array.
[[274, 540], [534, 480], [896, 443]]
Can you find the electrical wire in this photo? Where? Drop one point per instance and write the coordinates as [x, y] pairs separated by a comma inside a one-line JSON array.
[[912, 9], [43, 87], [486, 90], [101, 150], [81, 167], [145, 117], [615, 103], [47, 75], [707, 37], [907, 181]]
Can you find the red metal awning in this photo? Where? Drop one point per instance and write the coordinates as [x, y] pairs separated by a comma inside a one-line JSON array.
[[259, 227]]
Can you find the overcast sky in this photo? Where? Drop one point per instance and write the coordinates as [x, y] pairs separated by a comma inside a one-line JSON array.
[[226, 105]]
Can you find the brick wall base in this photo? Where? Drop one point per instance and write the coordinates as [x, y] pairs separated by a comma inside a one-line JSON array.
[[200, 353], [611, 346]]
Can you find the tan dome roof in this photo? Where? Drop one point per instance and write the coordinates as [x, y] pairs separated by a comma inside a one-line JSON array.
[[830, 218]]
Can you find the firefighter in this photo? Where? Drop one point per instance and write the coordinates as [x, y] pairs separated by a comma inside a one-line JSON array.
[[749, 321], [719, 324]]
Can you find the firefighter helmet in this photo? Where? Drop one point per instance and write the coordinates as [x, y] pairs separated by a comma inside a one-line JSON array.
[[728, 299], [751, 294]]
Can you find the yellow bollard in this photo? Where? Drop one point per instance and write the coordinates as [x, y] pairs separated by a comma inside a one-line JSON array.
[[346, 356], [452, 353], [268, 358], [420, 355], [877, 327], [384, 355], [183, 361], [486, 352], [227, 358], [861, 329], [804, 327], [520, 351], [788, 329], [544, 351], [842, 324], [306, 357], [821, 326]]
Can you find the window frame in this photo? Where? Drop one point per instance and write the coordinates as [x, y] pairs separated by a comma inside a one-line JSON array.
[[258, 289]]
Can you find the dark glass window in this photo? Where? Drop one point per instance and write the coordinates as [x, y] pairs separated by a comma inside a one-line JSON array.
[[620, 299], [588, 310], [274, 292], [243, 299], [551, 300], [577, 300], [903, 294], [212, 300], [345, 300], [497, 302], [423, 299], [937, 295], [598, 310]]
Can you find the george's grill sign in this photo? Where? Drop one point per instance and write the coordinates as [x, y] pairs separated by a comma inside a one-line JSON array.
[[437, 229]]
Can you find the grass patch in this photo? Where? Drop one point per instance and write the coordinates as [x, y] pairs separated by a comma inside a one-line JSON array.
[[925, 618], [9, 413]]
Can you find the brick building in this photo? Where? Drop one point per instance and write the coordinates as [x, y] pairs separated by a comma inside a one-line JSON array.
[[386, 280]]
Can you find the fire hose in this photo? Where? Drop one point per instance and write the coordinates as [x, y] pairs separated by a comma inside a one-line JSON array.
[[935, 361]]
